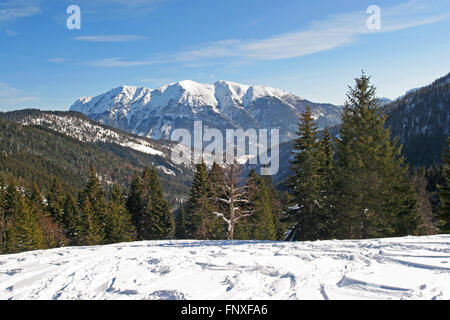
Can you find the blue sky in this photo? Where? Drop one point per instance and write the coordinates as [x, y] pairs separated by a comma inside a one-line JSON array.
[[311, 48]]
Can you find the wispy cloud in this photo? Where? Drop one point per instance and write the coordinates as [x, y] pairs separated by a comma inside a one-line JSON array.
[[119, 62], [10, 96], [336, 31], [57, 60], [16, 13], [111, 38], [138, 3], [332, 32]]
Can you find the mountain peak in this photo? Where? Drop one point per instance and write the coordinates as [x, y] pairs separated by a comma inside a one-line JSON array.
[[224, 104]]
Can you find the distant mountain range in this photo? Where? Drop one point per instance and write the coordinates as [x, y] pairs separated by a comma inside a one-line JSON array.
[[38, 144], [222, 105]]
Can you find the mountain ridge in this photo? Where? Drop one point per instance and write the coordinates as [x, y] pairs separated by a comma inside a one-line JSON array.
[[223, 105]]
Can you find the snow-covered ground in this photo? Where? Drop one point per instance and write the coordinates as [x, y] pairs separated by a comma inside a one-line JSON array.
[[397, 268]]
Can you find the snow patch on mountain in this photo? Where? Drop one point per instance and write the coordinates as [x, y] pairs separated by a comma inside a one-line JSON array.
[[157, 112], [87, 131]]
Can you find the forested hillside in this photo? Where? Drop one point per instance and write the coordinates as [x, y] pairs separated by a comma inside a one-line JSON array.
[[421, 120], [35, 154]]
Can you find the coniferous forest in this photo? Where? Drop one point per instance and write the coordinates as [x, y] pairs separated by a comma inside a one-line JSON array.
[[356, 186]]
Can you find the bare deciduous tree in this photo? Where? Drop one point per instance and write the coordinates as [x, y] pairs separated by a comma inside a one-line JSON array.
[[233, 196]]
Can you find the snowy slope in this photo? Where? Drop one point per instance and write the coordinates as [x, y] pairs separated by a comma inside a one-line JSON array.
[[396, 268], [224, 105]]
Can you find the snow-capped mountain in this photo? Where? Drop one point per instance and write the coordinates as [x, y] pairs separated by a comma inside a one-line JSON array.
[[222, 105]]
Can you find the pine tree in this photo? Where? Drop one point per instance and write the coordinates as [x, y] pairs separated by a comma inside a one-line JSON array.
[[305, 183], [180, 224], [158, 222], [199, 206], [55, 200], [376, 198], [134, 206], [3, 217], [92, 231], [262, 220], [71, 220], [444, 195], [118, 227], [24, 233], [52, 230], [94, 193], [327, 212]]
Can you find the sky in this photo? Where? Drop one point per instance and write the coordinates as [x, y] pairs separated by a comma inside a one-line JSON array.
[[313, 49]]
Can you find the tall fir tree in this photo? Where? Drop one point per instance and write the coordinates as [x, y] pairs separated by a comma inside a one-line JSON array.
[[261, 222], [92, 232], [118, 226], [93, 191], [180, 224], [52, 230], [327, 195], [376, 198], [24, 233], [55, 200], [158, 222], [134, 206], [444, 195], [199, 207], [71, 220], [305, 182]]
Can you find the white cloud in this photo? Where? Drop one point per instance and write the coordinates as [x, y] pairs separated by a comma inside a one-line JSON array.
[[332, 32], [138, 3], [110, 38], [119, 62], [57, 60], [16, 13], [336, 31], [10, 96]]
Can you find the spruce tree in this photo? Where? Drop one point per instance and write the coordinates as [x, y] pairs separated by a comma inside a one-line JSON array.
[[134, 206], [24, 233], [158, 222], [3, 217], [199, 206], [327, 221], [93, 191], [71, 220], [262, 220], [92, 232], [180, 224], [305, 182], [118, 227], [444, 195], [376, 198], [55, 200]]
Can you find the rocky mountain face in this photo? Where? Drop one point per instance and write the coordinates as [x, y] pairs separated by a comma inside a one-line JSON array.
[[421, 120], [222, 105]]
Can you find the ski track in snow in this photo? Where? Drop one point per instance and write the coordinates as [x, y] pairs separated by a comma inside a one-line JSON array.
[[396, 268]]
